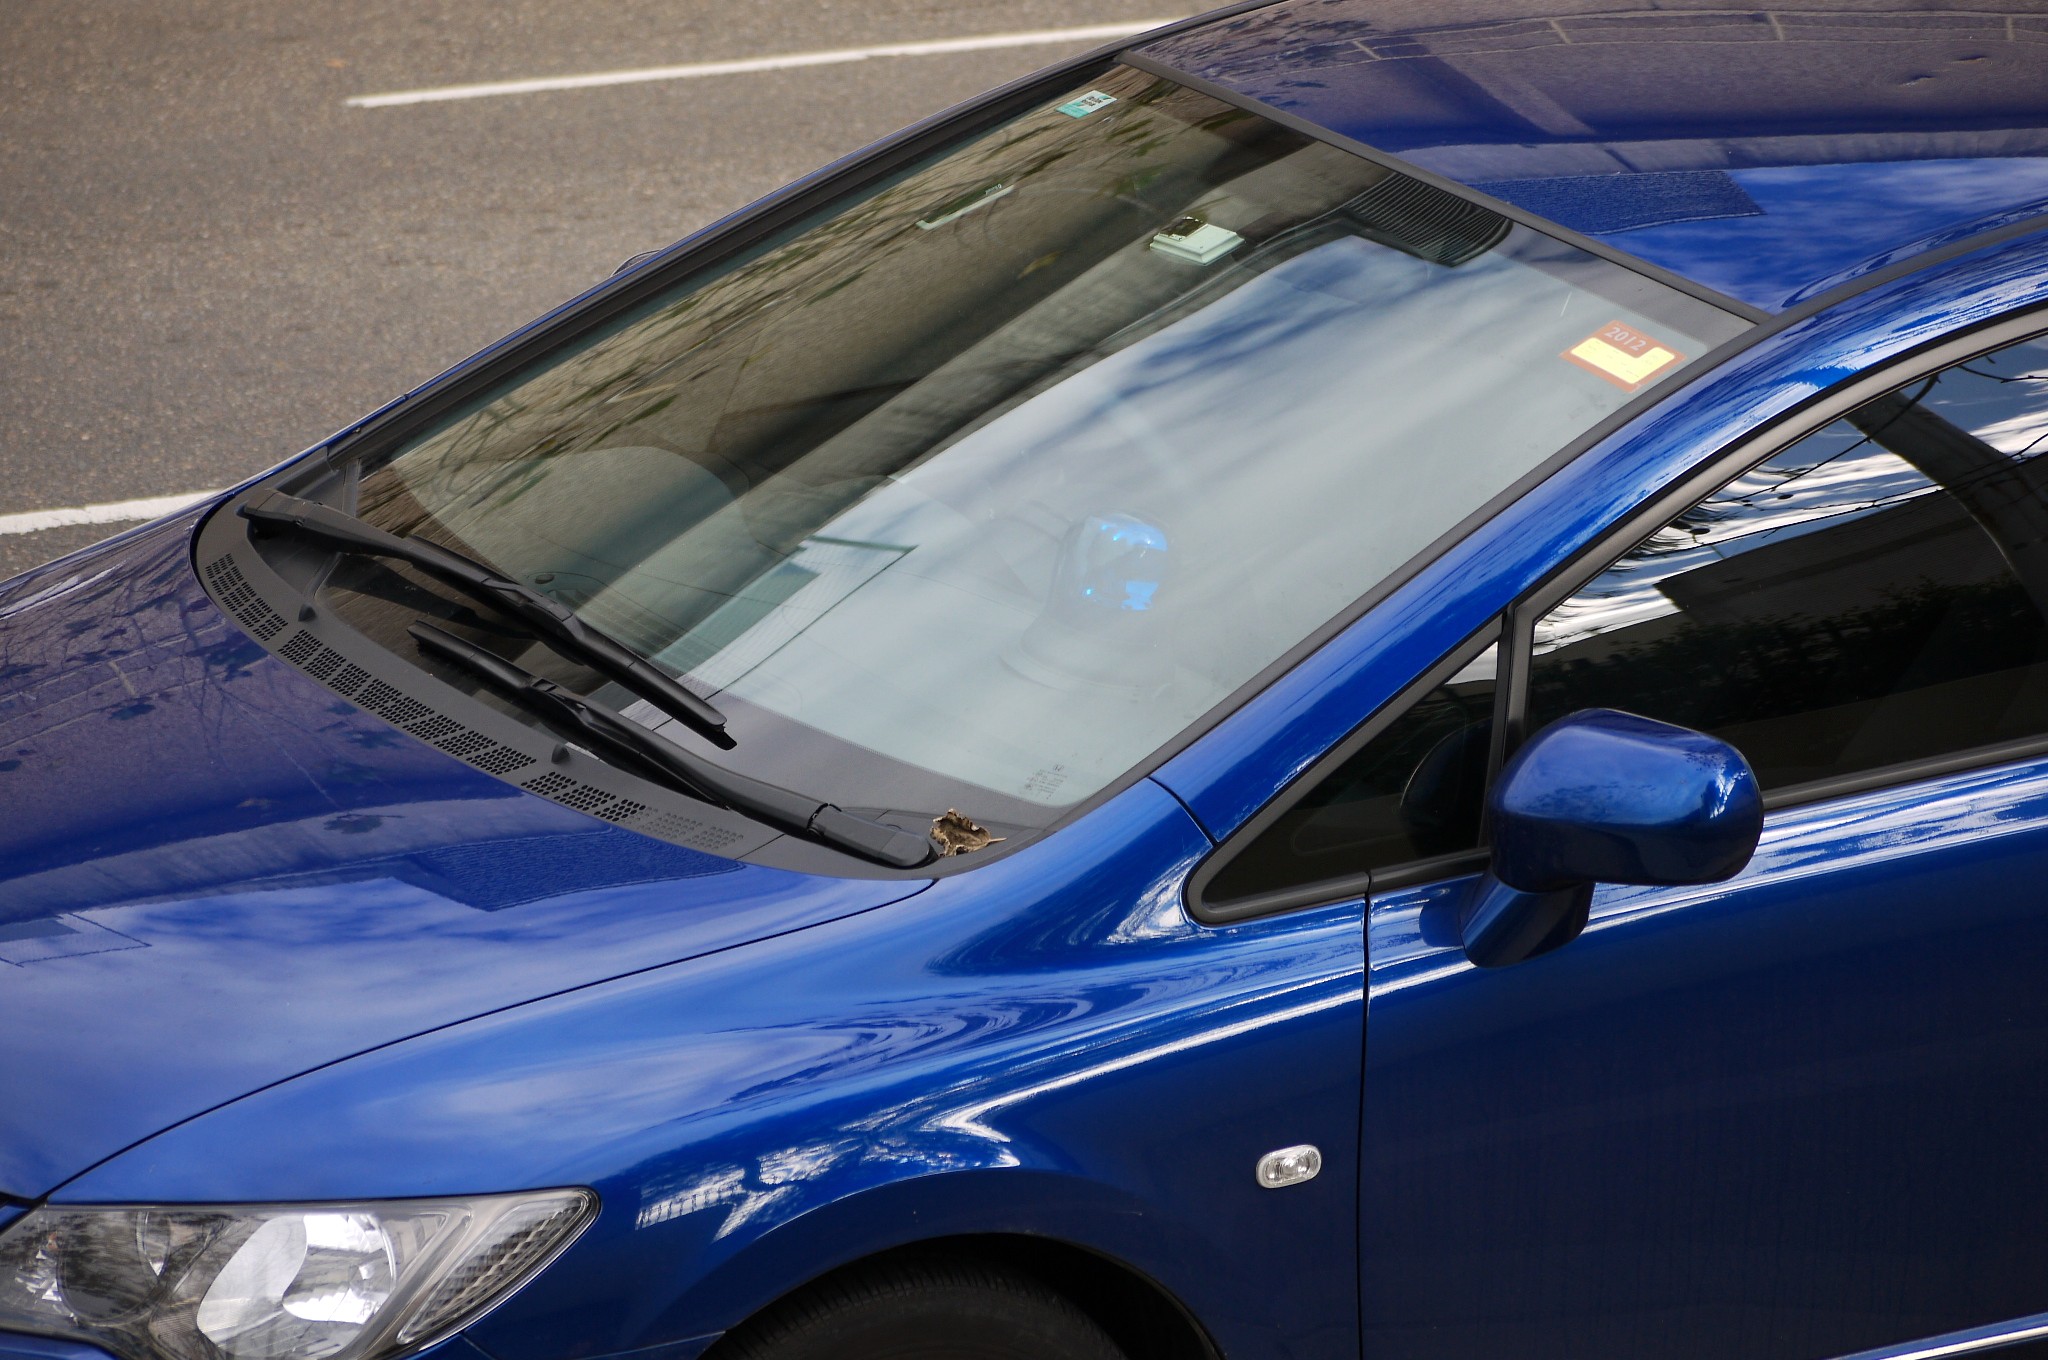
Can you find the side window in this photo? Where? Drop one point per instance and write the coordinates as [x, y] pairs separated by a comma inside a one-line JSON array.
[[1874, 594], [1411, 792]]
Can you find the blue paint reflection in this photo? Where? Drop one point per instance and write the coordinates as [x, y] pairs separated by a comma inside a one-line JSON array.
[[1822, 225], [973, 1050], [196, 828]]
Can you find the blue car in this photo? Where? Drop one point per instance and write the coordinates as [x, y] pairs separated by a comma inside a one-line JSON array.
[[1360, 679]]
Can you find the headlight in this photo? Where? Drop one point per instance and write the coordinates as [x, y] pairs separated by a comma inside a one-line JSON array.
[[286, 1282]]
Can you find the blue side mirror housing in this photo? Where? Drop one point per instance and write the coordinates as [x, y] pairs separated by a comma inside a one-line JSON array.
[[1604, 797]]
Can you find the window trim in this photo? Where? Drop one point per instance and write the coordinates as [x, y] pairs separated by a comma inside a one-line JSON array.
[[1514, 631], [1710, 475], [1325, 891]]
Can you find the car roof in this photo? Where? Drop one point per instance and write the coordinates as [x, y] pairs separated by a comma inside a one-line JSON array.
[[1770, 154]]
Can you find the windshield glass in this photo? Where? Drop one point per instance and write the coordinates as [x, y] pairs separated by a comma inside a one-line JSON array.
[[988, 480]]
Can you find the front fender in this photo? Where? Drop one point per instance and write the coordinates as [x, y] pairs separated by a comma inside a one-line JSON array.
[[843, 1227], [1045, 1045]]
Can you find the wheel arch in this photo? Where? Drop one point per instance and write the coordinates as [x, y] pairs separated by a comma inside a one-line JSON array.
[[1145, 1319], [1096, 1244]]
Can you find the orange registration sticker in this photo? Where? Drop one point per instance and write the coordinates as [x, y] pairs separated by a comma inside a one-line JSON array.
[[1623, 355]]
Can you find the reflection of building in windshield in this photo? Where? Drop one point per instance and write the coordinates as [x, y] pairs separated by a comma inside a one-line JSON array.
[[967, 473], [1982, 426], [1243, 471], [1803, 491]]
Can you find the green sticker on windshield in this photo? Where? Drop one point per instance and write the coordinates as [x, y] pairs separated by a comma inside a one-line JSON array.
[[1087, 104]]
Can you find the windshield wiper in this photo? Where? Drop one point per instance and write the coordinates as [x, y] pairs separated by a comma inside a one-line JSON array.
[[557, 624], [588, 720]]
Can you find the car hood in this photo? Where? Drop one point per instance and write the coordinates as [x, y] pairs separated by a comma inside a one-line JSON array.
[[215, 875]]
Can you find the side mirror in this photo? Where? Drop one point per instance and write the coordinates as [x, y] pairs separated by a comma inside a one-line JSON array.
[[1604, 797]]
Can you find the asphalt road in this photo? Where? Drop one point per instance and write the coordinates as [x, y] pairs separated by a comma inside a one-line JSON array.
[[208, 260]]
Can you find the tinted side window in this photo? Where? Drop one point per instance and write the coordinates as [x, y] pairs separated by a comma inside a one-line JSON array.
[[1874, 594], [1412, 792]]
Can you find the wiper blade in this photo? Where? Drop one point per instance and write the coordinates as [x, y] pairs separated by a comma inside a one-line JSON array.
[[618, 735], [559, 625]]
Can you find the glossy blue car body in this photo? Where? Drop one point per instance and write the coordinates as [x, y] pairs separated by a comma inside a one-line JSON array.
[[261, 946]]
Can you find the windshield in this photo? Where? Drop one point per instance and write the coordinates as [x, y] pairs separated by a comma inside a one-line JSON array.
[[985, 482]]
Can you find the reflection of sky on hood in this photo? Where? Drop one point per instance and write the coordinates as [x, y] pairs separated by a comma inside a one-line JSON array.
[[1824, 224], [215, 874]]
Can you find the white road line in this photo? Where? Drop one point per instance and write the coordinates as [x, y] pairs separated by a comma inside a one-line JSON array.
[[788, 61], [110, 512]]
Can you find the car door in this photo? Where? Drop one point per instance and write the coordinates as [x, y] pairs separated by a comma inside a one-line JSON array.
[[1796, 1114]]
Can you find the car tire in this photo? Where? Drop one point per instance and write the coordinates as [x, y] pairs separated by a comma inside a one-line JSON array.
[[927, 1310]]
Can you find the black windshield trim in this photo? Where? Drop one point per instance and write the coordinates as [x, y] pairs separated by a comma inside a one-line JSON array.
[[580, 718], [267, 599], [1591, 245]]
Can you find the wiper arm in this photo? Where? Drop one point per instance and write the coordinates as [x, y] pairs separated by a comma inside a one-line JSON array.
[[557, 624], [619, 735]]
